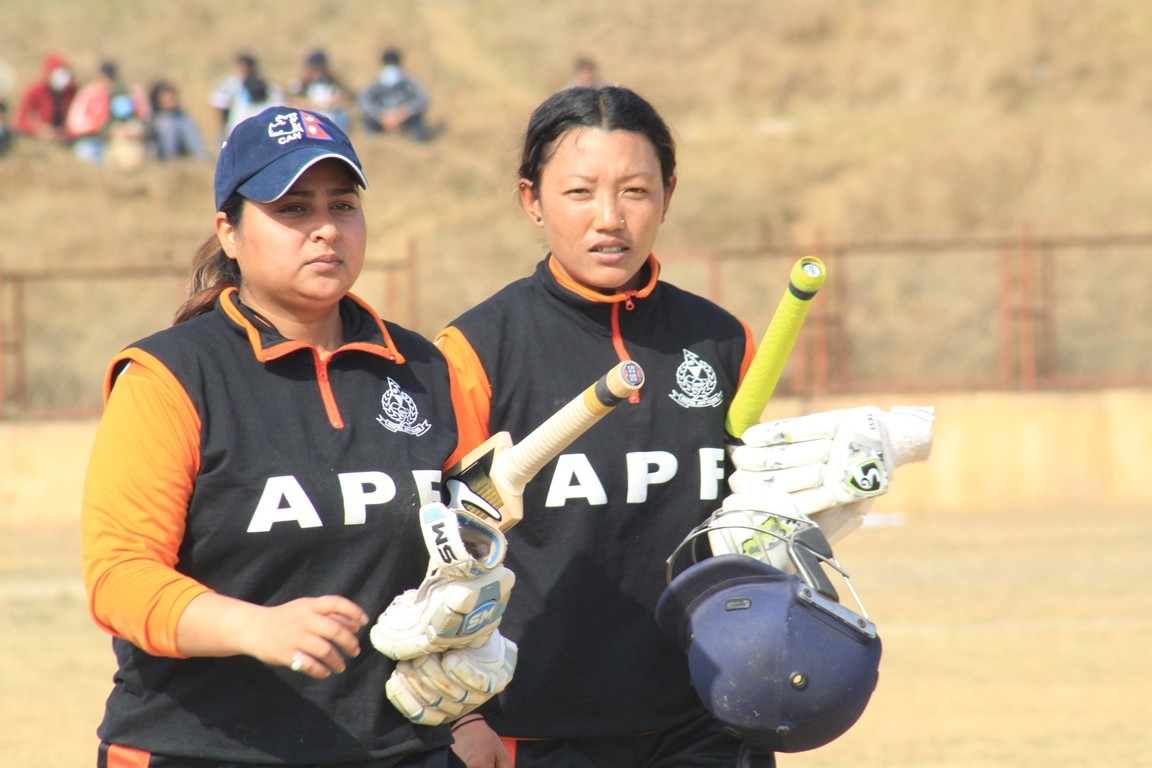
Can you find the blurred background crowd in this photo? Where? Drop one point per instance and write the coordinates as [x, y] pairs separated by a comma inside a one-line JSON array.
[[109, 118]]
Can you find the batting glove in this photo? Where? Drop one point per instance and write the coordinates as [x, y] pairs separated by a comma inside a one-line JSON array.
[[441, 687], [462, 599], [831, 465], [757, 525]]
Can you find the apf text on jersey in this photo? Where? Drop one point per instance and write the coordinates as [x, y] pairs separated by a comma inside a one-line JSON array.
[[574, 478]]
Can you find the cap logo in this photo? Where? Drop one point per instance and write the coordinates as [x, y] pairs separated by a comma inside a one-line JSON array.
[[292, 126]]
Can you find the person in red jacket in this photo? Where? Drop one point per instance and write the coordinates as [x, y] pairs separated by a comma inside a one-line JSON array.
[[43, 107], [105, 112]]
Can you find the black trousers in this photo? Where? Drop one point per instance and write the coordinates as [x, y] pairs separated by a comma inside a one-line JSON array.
[[112, 756], [701, 743]]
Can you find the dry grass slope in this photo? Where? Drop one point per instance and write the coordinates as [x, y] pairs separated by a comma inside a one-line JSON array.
[[796, 119]]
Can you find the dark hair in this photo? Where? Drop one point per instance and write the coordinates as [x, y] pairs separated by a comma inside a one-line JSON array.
[[212, 270], [610, 107], [257, 88], [391, 56], [159, 88]]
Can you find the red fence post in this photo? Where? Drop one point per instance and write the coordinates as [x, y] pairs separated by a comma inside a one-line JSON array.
[[413, 286], [1007, 357], [1028, 313], [16, 343], [821, 340], [1048, 344], [3, 344]]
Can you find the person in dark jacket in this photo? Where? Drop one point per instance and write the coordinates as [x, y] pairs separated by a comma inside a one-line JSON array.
[[598, 683], [254, 488], [173, 133], [394, 101]]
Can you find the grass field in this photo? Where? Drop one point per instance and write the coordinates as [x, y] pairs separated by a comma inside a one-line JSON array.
[[1009, 642]]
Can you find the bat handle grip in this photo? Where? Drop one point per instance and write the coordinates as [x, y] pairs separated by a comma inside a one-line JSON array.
[[519, 464], [614, 387], [806, 278]]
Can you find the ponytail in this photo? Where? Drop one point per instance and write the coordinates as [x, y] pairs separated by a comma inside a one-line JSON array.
[[212, 270]]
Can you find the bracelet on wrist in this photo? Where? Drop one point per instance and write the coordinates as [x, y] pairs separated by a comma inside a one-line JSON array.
[[465, 720]]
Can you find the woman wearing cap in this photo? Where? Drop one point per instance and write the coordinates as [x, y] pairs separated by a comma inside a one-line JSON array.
[[252, 490]]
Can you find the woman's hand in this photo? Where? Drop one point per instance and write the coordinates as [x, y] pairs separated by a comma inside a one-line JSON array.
[[478, 745], [310, 635]]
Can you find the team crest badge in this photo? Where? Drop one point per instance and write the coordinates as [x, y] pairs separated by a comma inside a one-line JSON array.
[[696, 382], [399, 412]]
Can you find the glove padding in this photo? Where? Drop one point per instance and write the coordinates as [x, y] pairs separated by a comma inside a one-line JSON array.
[[462, 599], [832, 464], [757, 525], [441, 687]]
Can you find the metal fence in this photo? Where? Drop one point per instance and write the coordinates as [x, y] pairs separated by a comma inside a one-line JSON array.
[[1018, 313], [59, 330], [1015, 313]]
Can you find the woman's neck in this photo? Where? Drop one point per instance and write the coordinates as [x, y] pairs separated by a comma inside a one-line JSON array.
[[324, 331]]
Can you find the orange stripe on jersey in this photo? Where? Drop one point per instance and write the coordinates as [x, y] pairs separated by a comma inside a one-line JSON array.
[[510, 745], [126, 757], [471, 392], [749, 351]]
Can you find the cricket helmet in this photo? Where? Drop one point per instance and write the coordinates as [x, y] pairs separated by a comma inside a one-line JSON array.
[[773, 656]]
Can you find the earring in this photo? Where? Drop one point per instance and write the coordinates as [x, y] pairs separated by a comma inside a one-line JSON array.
[[539, 219]]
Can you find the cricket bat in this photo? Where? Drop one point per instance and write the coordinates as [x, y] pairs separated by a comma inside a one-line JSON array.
[[805, 279], [490, 480]]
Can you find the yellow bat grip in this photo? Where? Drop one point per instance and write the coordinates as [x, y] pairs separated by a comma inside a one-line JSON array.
[[805, 279]]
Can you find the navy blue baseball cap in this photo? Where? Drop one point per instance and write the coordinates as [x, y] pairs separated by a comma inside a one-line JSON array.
[[265, 154]]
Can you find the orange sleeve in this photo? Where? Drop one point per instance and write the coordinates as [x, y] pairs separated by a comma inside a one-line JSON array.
[[749, 352], [471, 392], [144, 460]]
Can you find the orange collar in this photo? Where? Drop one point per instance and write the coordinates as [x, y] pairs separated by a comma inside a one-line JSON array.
[[607, 298]]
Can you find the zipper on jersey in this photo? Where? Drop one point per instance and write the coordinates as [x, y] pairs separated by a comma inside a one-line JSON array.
[[618, 337], [330, 407]]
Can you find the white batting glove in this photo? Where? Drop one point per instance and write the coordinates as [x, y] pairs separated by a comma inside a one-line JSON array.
[[832, 464], [462, 599], [441, 687], [757, 525]]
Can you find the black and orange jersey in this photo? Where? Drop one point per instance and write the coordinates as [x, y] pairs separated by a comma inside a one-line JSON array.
[[600, 520], [234, 460]]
